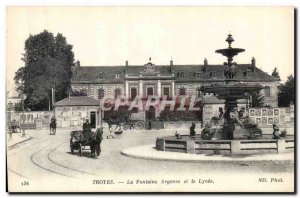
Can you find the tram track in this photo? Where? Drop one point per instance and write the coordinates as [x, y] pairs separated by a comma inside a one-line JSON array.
[[44, 168], [16, 173], [26, 147], [51, 160]]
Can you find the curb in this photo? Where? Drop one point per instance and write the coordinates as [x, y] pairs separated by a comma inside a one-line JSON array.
[[251, 158], [15, 144]]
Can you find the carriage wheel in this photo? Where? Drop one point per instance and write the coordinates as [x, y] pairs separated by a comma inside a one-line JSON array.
[[126, 127], [140, 125], [80, 150], [72, 149]]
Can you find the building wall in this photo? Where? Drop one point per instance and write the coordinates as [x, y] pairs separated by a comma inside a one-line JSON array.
[[92, 89], [271, 98], [75, 116], [190, 90]]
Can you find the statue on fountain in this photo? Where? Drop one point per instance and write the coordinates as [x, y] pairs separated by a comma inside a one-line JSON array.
[[230, 70]]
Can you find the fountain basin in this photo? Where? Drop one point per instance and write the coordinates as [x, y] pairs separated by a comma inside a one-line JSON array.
[[230, 52], [196, 145], [231, 89]]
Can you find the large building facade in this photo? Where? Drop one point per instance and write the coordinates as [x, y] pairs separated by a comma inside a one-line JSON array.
[[170, 81]]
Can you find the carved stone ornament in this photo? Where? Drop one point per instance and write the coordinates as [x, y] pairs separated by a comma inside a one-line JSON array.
[[149, 69]]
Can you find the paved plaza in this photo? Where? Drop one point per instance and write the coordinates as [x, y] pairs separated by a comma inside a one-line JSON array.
[[51, 155]]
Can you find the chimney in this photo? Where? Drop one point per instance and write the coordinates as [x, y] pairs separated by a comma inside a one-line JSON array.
[[171, 65], [77, 63], [205, 65], [126, 63], [253, 64]]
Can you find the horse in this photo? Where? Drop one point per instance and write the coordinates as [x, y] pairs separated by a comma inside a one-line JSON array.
[[95, 142], [52, 127]]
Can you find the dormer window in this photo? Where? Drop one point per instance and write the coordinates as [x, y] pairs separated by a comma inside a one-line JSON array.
[[101, 75], [198, 75], [181, 74], [211, 74], [117, 75]]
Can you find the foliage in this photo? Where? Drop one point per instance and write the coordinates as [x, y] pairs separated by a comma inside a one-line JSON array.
[[122, 114], [19, 76], [257, 99], [48, 62], [18, 106], [286, 94], [275, 74]]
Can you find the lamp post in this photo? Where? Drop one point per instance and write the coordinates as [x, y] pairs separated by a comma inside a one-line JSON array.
[[10, 124], [23, 120], [10, 110]]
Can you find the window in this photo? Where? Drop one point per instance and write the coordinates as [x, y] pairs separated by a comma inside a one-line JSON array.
[[117, 75], [117, 92], [198, 75], [267, 91], [182, 91], [199, 93], [181, 75], [166, 91], [101, 75], [150, 91], [133, 92], [100, 93]]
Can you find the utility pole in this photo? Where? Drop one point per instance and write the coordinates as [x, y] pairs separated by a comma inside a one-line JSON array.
[[53, 100]]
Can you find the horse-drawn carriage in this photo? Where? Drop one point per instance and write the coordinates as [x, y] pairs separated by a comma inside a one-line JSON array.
[[80, 140]]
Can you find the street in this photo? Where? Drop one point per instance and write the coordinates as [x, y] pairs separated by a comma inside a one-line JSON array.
[[48, 158]]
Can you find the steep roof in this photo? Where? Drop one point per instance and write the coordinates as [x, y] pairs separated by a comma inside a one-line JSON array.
[[192, 73], [92, 74], [77, 101]]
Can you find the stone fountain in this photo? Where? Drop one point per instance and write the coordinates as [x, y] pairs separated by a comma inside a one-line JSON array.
[[231, 90], [234, 134]]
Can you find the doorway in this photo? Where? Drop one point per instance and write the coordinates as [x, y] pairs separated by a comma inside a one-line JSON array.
[[93, 119], [150, 115]]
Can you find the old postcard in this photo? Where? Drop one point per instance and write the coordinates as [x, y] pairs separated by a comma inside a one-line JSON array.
[[150, 99]]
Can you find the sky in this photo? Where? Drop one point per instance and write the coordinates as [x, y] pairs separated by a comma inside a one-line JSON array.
[[108, 36]]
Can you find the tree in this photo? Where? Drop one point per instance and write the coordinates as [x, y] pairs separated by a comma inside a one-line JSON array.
[[257, 99], [275, 74], [48, 62], [286, 94]]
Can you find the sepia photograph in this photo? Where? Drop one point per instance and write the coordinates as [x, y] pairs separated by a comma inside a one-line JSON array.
[[167, 99]]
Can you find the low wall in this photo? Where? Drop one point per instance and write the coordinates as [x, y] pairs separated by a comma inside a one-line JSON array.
[[32, 119], [230, 147], [181, 124]]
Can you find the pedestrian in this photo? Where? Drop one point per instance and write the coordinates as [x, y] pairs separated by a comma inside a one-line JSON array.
[[150, 125], [192, 130], [276, 133]]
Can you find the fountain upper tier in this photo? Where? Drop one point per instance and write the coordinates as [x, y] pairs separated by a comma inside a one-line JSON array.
[[230, 52]]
